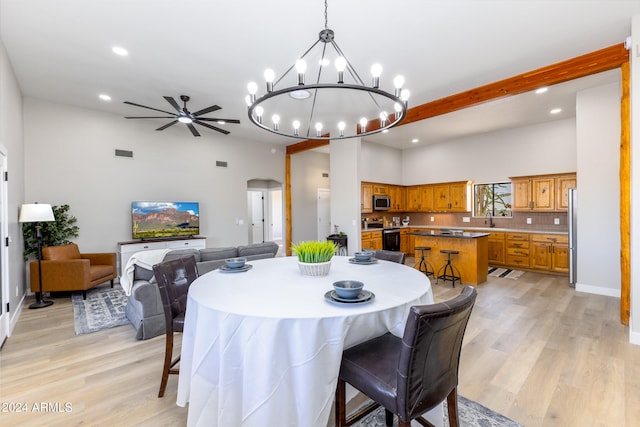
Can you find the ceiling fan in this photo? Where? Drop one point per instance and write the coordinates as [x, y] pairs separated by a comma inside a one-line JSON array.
[[185, 116]]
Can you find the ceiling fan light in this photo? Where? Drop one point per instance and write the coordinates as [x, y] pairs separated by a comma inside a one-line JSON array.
[[185, 120]]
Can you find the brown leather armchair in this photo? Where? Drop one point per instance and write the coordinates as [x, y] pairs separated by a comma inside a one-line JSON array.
[[64, 268]]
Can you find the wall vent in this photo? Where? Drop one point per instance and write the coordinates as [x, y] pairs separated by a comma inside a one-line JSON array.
[[221, 164], [124, 153], [325, 175]]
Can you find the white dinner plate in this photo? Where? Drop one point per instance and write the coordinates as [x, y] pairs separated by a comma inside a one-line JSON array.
[[355, 261]]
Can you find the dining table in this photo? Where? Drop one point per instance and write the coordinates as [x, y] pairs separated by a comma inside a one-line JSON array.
[[262, 346]]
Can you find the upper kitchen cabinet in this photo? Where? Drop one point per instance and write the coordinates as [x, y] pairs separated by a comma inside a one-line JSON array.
[[397, 194], [380, 189], [419, 198], [366, 197], [542, 193], [452, 197]]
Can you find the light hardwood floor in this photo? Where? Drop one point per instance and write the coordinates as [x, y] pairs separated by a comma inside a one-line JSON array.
[[535, 350]]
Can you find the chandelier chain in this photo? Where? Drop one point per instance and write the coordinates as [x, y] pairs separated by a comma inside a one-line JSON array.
[[326, 19]]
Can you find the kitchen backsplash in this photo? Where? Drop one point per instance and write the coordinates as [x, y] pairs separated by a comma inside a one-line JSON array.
[[540, 221]]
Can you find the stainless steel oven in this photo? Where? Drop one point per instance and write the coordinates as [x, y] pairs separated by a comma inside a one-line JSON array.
[[391, 239]]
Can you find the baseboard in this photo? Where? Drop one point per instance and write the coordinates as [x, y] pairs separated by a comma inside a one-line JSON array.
[[15, 315], [634, 337], [598, 290]]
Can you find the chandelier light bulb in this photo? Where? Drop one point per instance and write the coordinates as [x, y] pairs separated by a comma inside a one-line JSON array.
[[318, 129], [398, 109], [301, 68], [296, 127], [398, 82], [269, 77], [276, 121], [340, 63], [259, 110], [363, 124], [404, 95], [341, 126], [383, 118], [376, 71], [252, 87], [247, 99]]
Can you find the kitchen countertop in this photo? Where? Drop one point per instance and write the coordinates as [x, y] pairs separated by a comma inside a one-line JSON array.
[[475, 229], [455, 234]]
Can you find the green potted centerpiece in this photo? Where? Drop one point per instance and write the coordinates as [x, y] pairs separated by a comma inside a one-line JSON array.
[[314, 256]]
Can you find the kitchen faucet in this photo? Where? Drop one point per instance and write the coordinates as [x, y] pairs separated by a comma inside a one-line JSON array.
[[491, 224]]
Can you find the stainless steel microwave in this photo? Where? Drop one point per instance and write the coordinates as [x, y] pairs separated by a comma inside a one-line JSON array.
[[381, 202]]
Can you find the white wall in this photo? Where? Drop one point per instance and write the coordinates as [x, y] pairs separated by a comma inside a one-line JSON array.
[[11, 137], [70, 159], [598, 155], [493, 157], [381, 163], [306, 177], [345, 189]]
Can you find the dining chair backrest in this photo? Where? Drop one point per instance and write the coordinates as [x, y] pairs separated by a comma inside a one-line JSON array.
[[430, 355], [174, 278], [394, 256]]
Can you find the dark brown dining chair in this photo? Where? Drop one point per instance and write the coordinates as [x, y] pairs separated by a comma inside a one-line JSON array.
[[411, 375], [393, 256], [174, 278]]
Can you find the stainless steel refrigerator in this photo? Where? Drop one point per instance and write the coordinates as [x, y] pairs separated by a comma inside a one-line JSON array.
[[573, 248]]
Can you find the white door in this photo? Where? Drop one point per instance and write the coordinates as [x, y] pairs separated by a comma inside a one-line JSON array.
[[324, 213], [256, 209], [4, 250]]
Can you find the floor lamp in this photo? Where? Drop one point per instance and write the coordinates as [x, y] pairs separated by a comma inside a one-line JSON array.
[[37, 213]]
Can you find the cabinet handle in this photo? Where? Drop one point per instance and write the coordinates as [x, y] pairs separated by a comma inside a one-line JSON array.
[[146, 247]]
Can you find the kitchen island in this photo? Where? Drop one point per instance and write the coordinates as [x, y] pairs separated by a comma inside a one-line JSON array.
[[472, 260]]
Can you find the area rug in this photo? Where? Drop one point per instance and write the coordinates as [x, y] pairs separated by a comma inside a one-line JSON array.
[[103, 309], [505, 273], [470, 414]]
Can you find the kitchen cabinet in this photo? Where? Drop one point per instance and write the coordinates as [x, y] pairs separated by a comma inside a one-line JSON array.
[[517, 248], [397, 194], [380, 189], [371, 240], [543, 193], [451, 197], [406, 241], [550, 252], [563, 184], [366, 196], [419, 198], [497, 248]]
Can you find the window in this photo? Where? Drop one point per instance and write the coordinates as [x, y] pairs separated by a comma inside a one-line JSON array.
[[494, 199]]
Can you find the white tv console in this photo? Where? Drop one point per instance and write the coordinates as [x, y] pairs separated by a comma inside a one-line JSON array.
[[127, 249]]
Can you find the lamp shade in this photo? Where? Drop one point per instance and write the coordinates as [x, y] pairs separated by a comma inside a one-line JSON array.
[[36, 212]]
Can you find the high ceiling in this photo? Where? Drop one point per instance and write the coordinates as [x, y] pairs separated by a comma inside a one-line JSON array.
[[61, 52]]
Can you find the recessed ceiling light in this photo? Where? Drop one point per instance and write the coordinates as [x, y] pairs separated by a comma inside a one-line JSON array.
[[104, 97], [300, 94], [385, 131], [120, 51], [556, 110], [221, 122], [324, 62], [415, 140], [542, 90]]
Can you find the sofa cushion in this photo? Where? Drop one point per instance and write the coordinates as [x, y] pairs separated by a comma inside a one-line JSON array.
[[258, 249], [62, 252], [215, 254], [141, 273], [180, 253]]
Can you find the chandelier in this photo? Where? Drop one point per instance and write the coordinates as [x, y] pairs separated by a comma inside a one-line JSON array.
[[336, 105]]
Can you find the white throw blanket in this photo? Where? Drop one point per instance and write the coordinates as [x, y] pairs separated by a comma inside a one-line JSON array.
[[145, 259]]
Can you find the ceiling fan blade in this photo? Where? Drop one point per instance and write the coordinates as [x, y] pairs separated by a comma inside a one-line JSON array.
[[209, 119], [144, 106], [156, 117], [226, 132], [193, 130], [167, 125], [207, 110], [173, 103]]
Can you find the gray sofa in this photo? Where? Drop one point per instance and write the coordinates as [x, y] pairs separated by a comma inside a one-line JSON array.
[[144, 306]]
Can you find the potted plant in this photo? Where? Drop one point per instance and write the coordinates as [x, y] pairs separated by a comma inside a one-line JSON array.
[[314, 256], [54, 233]]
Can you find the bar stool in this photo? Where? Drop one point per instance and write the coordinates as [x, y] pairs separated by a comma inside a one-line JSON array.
[[449, 270], [423, 262]]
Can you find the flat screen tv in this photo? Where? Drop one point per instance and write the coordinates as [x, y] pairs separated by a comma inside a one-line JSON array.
[[154, 220]]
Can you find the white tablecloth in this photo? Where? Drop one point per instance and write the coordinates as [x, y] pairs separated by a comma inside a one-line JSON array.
[[263, 347]]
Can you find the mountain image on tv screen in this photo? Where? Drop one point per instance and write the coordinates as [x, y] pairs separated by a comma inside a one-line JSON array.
[[164, 219]]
